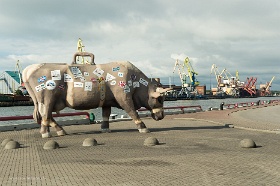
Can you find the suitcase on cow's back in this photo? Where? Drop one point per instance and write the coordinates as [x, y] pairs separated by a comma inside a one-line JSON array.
[[85, 89]]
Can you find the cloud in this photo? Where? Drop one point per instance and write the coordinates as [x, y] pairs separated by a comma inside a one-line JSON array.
[[237, 35]]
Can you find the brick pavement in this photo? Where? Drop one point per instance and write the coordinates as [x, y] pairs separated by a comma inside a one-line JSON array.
[[195, 149]]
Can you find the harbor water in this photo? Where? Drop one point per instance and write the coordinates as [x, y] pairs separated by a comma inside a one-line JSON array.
[[205, 105]]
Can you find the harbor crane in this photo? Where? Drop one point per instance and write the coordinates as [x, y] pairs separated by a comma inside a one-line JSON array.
[[250, 86], [182, 76], [187, 88], [226, 83], [191, 73], [265, 90]]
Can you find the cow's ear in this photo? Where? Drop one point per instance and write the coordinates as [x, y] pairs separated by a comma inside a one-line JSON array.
[[155, 94]]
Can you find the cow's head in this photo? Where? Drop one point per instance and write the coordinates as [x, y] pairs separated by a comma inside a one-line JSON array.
[[156, 103]]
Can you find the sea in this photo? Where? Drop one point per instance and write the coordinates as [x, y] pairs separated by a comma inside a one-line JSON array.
[[204, 103]]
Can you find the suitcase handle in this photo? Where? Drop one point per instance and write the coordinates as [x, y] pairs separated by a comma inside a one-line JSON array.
[[84, 54]]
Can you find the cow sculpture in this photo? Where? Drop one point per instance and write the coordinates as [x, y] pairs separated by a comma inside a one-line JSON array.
[[53, 87]]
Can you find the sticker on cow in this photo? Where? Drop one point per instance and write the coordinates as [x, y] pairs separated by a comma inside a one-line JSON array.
[[97, 91]]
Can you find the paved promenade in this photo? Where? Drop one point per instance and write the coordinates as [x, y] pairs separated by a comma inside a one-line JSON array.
[[194, 149]]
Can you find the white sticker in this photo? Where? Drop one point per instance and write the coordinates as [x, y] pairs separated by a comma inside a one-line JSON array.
[[68, 78], [82, 79], [136, 84], [98, 72], [129, 82], [78, 84], [86, 74], [50, 85], [120, 74], [109, 77], [88, 86], [126, 89], [113, 82], [143, 82], [56, 75], [40, 87]]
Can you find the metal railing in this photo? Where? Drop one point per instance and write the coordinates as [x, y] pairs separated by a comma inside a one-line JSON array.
[[182, 108], [8, 118]]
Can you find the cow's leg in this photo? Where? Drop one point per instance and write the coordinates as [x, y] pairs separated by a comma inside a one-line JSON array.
[[106, 111], [128, 106], [59, 130], [45, 128]]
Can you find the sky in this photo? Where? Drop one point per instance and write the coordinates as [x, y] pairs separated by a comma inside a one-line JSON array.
[[239, 35]]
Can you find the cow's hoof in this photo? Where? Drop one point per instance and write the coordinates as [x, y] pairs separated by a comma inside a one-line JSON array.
[[105, 130], [46, 135], [61, 133], [144, 130]]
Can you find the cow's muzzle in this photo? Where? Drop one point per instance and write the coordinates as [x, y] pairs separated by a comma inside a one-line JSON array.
[[157, 114]]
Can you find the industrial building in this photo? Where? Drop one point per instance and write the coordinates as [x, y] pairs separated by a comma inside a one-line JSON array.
[[9, 82]]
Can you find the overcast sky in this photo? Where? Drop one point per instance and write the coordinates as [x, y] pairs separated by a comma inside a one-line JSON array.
[[241, 35]]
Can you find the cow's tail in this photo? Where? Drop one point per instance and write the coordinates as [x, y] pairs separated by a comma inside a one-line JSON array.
[[36, 114]]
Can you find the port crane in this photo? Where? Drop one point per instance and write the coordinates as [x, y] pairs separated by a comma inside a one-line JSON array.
[[182, 76], [250, 86], [187, 88], [226, 83], [265, 91], [191, 73]]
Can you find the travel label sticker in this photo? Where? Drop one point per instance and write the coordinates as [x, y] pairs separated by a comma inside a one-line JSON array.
[[115, 69], [42, 79], [94, 80], [68, 78], [76, 72], [40, 87], [126, 89], [109, 77], [50, 85], [122, 84], [88, 86], [62, 87], [98, 72], [102, 89], [129, 82], [78, 84], [56, 75], [143, 82], [136, 84], [120, 74], [133, 77], [113, 82], [82, 79]]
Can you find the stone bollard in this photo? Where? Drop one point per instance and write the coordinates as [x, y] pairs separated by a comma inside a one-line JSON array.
[[151, 141], [51, 144]]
